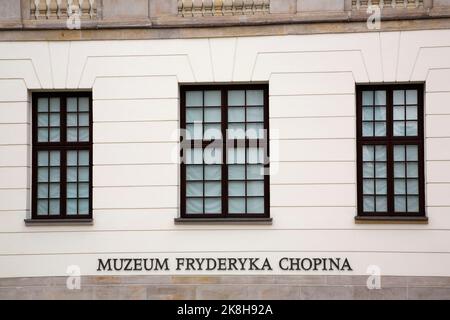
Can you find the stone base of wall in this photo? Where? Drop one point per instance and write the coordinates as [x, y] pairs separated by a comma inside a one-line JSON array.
[[226, 287]]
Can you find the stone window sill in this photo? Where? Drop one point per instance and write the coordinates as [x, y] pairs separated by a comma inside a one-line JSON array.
[[58, 222], [391, 220], [250, 221]]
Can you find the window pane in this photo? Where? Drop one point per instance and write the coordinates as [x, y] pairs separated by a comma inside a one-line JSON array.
[[43, 120], [83, 134], [54, 174], [369, 186], [42, 207], [54, 207], [83, 104], [212, 155], [399, 153], [72, 190], [71, 207], [43, 190], [380, 153], [72, 119], [213, 189], [54, 120], [42, 158], [367, 129], [194, 98], [369, 204], [381, 170], [83, 206], [72, 174], [381, 186], [72, 134], [255, 205], [194, 189], [213, 205], [413, 186], [399, 97], [399, 128], [367, 114], [83, 190], [411, 113], [213, 98], [399, 170], [236, 114], [412, 153], [236, 131], [236, 188], [236, 172], [381, 204], [255, 172], [368, 153], [236, 205], [255, 97], [54, 135], [236, 98], [194, 131], [72, 158], [42, 174], [54, 104], [413, 204], [400, 204], [399, 186], [213, 172], [399, 113], [212, 115], [380, 113], [54, 190], [368, 170], [212, 132], [83, 158], [380, 98], [194, 206], [255, 131], [194, 156], [42, 105], [413, 170], [255, 155], [411, 128], [72, 104], [236, 155], [194, 115], [255, 188], [411, 96], [54, 158], [42, 135], [380, 129], [255, 114], [84, 119], [194, 172], [367, 98], [83, 174]]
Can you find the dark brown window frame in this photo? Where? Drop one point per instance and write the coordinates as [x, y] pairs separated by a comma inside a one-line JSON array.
[[224, 122], [63, 145], [389, 141]]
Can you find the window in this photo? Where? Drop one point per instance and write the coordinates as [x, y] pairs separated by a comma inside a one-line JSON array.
[[224, 152], [62, 156], [390, 151]]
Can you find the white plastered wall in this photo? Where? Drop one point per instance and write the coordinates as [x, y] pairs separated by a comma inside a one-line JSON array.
[[312, 115]]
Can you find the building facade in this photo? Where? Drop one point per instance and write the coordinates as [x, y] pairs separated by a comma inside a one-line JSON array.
[[225, 149]]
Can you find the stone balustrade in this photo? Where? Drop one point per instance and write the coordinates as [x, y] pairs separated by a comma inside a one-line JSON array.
[[394, 4], [53, 14], [62, 9], [189, 8]]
